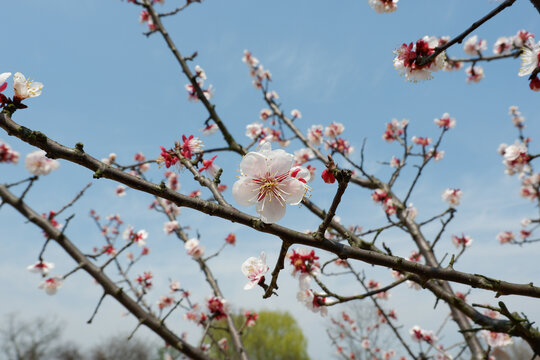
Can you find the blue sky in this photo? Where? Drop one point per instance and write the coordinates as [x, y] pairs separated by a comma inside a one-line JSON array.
[[118, 91]]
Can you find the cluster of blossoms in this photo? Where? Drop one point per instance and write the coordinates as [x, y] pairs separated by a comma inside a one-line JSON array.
[[37, 163], [463, 241], [194, 248], [256, 70], [7, 154], [383, 6], [217, 307], [407, 56], [316, 134], [506, 237], [394, 130], [382, 197], [515, 157], [251, 318], [170, 226], [452, 196], [192, 89], [145, 280], [269, 181], [138, 237], [445, 122], [191, 146], [265, 134], [255, 269], [305, 265], [419, 335]]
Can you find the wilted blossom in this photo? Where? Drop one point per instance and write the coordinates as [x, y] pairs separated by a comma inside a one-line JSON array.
[[41, 267], [452, 196], [51, 285], [38, 163], [255, 268], [194, 248], [268, 180]]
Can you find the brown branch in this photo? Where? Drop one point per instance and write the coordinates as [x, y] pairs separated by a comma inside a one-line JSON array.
[[275, 273]]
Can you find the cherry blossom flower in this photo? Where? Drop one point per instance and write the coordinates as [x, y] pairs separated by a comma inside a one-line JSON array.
[[195, 193], [340, 145], [394, 129], [138, 237], [495, 339], [254, 130], [209, 129], [503, 45], [395, 162], [255, 269], [516, 158], [423, 141], [192, 92], [250, 59], [474, 74], [7, 154], [445, 121], [194, 248], [296, 114], [140, 158], [192, 145], [3, 82], [266, 181], [303, 155], [170, 226], [222, 343], [523, 38], [144, 280], [473, 46], [251, 318], [120, 190], [217, 307], [526, 222], [452, 196], [315, 135], [334, 130], [41, 267], [24, 88], [406, 59], [271, 95], [463, 241], [383, 6], [37, 163], [265, 114], [172, 180], [52, 284], [211, 168], [312, 302], [505, 237], [436, 155], [165, 301], [530, 60], [365, 344], [419, 335], [230, 239], [304, 265]]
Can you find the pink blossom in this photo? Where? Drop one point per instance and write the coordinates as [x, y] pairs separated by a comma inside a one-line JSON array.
[[407, 55], [230, 239], [170, 226], [452, 196], [328, 176], [194, 249], [395, 162], [394, 129], [422, 141], [38, 164], [138, 237], [333, 130], [211, 168], [503, 45], [41, 267], [217, 307], [315, 135], [3, 82], [52, 284], [496, 339], [303, 155], [312, 302], [473, 46], [445, 121], [251, 318], [120, 190], [255, 269], [209, 129], [267, 182], [296, 114], [7, 154], [505, 237]]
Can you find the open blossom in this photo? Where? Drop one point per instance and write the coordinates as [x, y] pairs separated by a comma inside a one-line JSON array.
[[445, 121], [473, 46], [209, 129], [51, 285], [312, 302], [505, 237], [304, 265], [340, 145], [7, 154], [3, 78], [249, 59], [496, 339], [407, 56], [334, 130], [315, 135], [452, 196], [383, 6], [165, 301], [194, 248], [436, 155], [41, 267], [192, 92], [530, 60], [199, 72], [268, 180], [265, 114], [503, 45], [38, 163], [254, 130], [192, 145], [170, 226], [211, 168], [523, 38], [516, 158], [24, 88], [138, 237], [303, 155], [255, 269], [474, 74], [395, 162], [463, 241]]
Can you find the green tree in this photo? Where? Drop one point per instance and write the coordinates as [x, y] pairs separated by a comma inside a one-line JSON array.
[[275, 336]]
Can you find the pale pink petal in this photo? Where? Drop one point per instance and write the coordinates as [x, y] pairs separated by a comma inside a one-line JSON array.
[[253, 164], [270, 211], [295, 190], [245, 191], [279, 162]]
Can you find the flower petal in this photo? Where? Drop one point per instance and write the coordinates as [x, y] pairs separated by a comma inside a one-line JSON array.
[[295, 190], [253, 164], [245, 191], [270, 211], [279, 162]]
